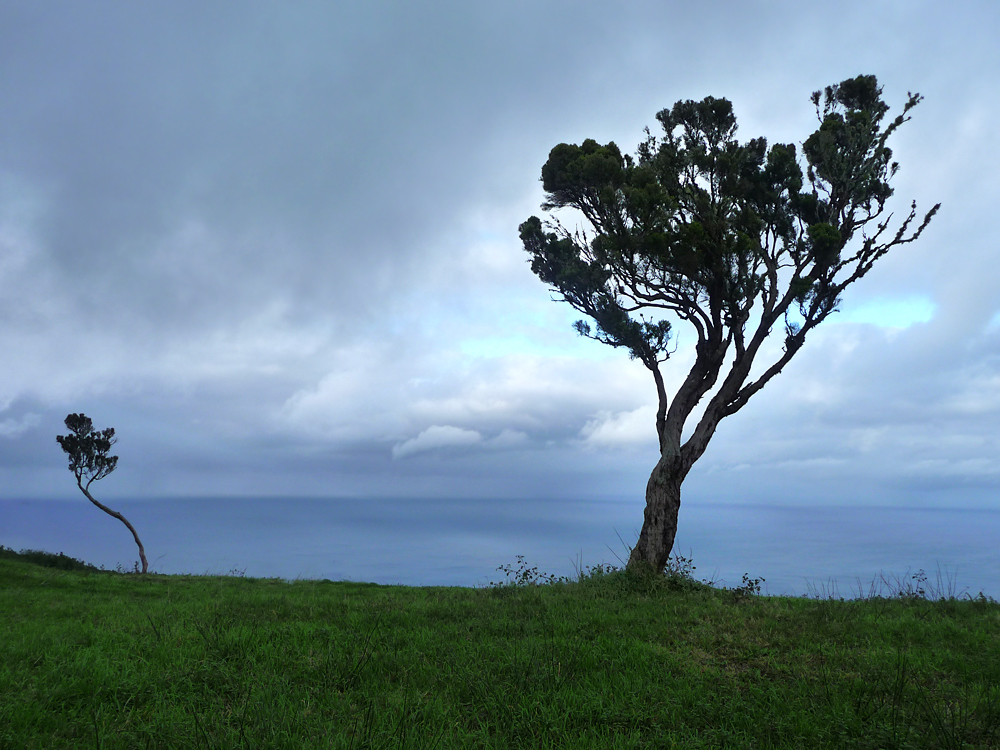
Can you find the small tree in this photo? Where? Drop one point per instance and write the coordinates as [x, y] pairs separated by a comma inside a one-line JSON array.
[[89, 460], [723, 236]]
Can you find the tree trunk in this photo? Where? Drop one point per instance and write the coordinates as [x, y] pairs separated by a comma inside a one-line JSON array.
[[120, 517], [659, 526]]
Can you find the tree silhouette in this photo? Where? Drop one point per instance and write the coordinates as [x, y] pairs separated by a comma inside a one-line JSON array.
[[724, 236], [89, 461]]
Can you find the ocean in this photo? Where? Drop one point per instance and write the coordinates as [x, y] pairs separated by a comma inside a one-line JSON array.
[[823, 550]]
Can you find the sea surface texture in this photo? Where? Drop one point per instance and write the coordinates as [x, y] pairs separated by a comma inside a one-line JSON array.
[[796, 550]]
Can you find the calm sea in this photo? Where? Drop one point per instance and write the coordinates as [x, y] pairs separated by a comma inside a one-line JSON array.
[[797, 550]]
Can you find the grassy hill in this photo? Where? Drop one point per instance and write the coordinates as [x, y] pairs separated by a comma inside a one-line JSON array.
[[95, 659]]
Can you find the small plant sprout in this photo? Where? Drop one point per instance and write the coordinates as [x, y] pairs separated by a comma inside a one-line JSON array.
[[88, 452], [522, 575], [750, 587]]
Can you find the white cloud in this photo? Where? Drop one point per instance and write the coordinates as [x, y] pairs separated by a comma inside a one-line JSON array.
[[434, 437], [447, 436], [624, 428]]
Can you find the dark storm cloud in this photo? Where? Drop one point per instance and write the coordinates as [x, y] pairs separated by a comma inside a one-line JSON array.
[[197, 158]]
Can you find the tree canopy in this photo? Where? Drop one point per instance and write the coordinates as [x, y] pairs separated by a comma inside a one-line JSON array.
[[88, 449], [731, 238]]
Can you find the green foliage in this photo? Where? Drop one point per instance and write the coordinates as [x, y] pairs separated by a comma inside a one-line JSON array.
[[750, 587], [721, 234], [604, 661], [88, 449], [824, 243], [573, 174], [522, 575], [47, 559], [848, 158]]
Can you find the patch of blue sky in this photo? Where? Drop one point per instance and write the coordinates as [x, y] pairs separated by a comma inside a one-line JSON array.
[[536, 328], [889, 312], [894, 313]]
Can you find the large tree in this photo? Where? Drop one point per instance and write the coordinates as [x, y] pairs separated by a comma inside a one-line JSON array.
[[90, 459], [727, 237]]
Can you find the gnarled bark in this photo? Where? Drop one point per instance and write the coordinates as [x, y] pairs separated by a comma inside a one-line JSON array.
[[659, 526]]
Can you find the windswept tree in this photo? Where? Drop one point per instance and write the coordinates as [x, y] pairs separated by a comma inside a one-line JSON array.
[[727, 237], [89, 460]]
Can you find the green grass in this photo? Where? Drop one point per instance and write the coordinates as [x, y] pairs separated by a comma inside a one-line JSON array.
[[91, 659]]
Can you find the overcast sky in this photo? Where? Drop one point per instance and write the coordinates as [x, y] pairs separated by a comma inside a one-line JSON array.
[[274, 245]]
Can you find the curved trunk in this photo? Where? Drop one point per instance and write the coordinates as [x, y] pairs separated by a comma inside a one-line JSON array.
[[659, 525], [120, 517]]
